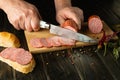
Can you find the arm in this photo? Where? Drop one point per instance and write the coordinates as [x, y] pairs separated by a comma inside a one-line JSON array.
[[21, 14], [60, 4]]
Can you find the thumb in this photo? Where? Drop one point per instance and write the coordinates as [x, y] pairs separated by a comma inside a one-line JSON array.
[[79, 22], [60, 20]]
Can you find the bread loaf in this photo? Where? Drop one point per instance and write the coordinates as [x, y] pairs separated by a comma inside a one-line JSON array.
[[21, 68], [18, 58], [8, 39]]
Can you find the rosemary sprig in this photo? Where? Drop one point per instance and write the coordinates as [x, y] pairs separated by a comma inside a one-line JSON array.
[[105, 42]]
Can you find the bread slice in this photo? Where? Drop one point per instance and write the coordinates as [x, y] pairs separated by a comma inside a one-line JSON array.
[[21, 68], [8, 39]]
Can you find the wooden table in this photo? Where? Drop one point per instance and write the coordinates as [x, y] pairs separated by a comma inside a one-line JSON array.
[[81, 63]]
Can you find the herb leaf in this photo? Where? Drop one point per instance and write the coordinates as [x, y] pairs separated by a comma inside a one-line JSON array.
[[115, 53]]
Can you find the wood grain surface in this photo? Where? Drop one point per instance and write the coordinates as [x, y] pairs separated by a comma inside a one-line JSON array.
[[45, 34], [86, 64]]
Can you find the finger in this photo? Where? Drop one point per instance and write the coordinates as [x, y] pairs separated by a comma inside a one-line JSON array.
[[28, 26], [35, 23], [16, 25], [78, 18], [60, 19], [22, 23], [78, 22], [75, 18]]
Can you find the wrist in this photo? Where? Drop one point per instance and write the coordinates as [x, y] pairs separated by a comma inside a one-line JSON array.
[[60, 4], [2, 3], [5, 3]]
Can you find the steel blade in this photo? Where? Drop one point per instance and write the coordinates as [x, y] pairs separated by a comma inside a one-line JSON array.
[[70, 34]]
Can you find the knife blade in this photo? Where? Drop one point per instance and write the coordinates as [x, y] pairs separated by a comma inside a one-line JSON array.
[[66, 33]]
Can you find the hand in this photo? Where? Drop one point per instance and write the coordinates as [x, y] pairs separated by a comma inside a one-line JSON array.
[[73, 13], [22, 15]]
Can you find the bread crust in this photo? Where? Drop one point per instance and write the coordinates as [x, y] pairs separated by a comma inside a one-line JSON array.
[[21, 68], [9, 40]]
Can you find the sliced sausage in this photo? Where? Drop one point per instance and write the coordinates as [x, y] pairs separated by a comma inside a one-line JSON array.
[[24, 57], [6, 53], [95, 24], [45, 43], [15, 53], [49, 41], [55, 41], [66, 42], [18, 55], [70, 24], [35, 42]]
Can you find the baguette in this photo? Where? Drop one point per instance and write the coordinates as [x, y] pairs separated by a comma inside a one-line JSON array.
[[8, 39], [16, 58], [21, 68]]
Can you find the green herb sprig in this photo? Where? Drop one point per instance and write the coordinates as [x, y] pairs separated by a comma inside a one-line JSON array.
[[106, 42]]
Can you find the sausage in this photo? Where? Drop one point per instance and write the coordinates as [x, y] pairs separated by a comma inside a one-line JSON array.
[[45, 43], [15, 53], [54, 41], [35, 42], [70, 24], [6, 53], [18, 55], [66, 42], [24, 57], [95, 24]]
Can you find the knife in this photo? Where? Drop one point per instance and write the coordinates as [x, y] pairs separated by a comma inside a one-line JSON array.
[[66, 33]]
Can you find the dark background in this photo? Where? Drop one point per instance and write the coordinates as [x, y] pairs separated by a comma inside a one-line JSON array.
[[109, 10], [88, 65]]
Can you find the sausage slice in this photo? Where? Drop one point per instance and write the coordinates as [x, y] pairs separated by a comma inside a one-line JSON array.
[[95, 24]]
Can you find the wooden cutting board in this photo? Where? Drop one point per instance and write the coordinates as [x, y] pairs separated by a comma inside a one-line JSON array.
[[45, 34]]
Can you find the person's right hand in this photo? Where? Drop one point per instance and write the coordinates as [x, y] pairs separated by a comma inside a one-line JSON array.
[[22, 15]]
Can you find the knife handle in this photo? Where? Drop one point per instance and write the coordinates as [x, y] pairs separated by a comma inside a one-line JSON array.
[[44, 24]]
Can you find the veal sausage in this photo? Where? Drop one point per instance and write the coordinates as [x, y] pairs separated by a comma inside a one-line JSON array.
[[45, 43], [36, 43], [18, 55], [95, 24], [70, 24], [56, 41]]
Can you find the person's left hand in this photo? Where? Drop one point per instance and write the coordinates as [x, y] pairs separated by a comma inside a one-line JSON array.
[[73, 13]]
